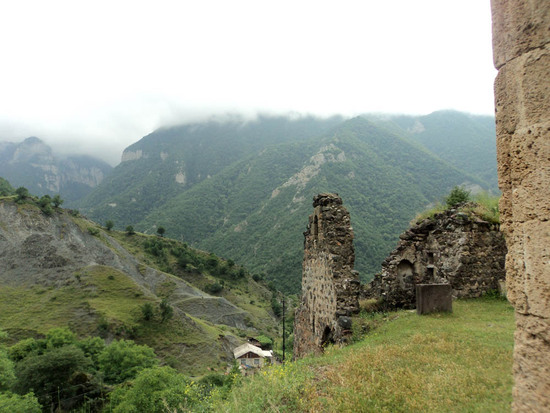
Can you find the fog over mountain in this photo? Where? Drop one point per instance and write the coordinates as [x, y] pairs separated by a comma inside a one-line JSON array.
[[84, 90]]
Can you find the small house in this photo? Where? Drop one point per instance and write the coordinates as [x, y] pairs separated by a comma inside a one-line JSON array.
[[250, 356]]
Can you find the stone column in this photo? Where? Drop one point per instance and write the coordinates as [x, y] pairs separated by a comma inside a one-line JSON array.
[[521, 46]]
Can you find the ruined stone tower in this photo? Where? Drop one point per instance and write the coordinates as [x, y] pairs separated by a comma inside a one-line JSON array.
[[330, 285], [521, 49]]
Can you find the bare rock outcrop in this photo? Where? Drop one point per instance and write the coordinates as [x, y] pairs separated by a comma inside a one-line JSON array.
[[521, 46], [330, 285], [453, 247]]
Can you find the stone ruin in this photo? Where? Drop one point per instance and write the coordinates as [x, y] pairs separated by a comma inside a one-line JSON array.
[[452, 247], [330, 285], [521, 52]]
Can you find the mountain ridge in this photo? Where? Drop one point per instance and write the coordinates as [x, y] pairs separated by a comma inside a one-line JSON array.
[[33, 164]]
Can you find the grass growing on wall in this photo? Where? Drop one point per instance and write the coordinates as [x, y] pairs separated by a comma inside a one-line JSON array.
[[460, 362]]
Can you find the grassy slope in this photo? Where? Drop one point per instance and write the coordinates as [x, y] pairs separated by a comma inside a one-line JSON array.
[[101, 300], [460, 362]]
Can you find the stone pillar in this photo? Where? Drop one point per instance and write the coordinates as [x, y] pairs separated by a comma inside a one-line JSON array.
[[521, 46], [330, 286]]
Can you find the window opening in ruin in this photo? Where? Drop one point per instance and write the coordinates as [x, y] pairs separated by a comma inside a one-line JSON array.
[[315, 227], [327, 337], [430, 258], [430, 273], [404, 268]]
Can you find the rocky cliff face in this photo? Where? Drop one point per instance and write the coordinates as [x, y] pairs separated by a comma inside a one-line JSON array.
[[521, 46], [330, 286], [452, 247], [32, 164]]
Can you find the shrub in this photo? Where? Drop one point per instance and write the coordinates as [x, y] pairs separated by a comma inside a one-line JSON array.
[[147, 311], [213, 288], [14, 403], [130, 230], [93, 231], [109, 225], [158, 390], [166, 310], [123, 360], [458, 195], [59, 337], [57, 201]]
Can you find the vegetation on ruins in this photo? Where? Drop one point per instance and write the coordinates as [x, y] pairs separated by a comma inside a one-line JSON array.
[[458, 195], [483, 205]]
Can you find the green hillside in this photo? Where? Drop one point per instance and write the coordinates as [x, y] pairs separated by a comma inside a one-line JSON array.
[[170, 161], [466, 141], [256, 210], [244, 190], [62, 270]]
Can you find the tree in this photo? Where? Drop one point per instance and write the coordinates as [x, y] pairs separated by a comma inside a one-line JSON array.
[[22, 193], [130, 230], [110, 224], [92, 348], [59, 337], [161, 231], [57, 201], [14, 403], [45, 204], [457, 196], [7, 372], [147, 311], [166, 310], [123, 360], [44, 200], [47, 373], [158, 390]]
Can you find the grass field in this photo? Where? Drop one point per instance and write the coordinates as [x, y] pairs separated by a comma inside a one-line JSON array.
[[459, 362]]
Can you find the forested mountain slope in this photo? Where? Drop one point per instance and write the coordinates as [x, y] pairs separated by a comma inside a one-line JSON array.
[[466, 141], [255, 210], [244, 191], [170, 161]]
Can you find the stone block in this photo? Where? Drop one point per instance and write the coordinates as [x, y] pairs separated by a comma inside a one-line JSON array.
[[432, 298], [518, 26]]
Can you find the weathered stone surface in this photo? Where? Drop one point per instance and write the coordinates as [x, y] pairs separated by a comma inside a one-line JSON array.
[[521, 45], [330, 286], [450, 248], [518, 27], [431, 298]]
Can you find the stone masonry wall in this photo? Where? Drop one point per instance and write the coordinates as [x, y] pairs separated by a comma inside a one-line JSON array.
[[330, 285], [453, 247], [521, 49]]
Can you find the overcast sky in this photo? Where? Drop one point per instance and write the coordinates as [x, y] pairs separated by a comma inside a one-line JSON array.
[[99, 75]]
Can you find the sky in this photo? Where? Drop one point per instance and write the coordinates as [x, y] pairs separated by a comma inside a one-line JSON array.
[[96, 76]]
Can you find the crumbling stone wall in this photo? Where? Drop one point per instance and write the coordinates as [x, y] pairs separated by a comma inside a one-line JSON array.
[[330, 285], [521, 48], [452, 247]]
